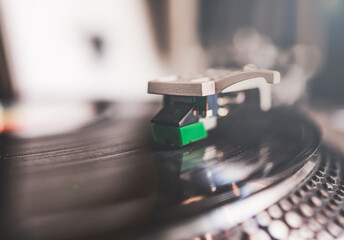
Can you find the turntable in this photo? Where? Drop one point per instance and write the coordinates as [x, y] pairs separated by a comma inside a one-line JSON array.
[[86, 153]]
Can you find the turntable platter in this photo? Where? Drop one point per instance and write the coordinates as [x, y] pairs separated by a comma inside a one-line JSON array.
[[108, 180]]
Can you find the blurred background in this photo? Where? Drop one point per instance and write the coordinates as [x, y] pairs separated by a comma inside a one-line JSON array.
[[109, 49], [96, 50]]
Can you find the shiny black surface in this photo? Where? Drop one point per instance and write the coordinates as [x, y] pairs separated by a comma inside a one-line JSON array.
[[109, 181], [246, 146]]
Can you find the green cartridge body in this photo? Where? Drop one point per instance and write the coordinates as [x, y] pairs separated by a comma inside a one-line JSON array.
[[179, 136]]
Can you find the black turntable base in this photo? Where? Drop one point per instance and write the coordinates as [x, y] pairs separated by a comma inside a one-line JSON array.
[[257, 176]]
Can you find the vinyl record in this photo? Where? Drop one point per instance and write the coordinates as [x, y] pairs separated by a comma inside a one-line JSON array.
[[108, 180]]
